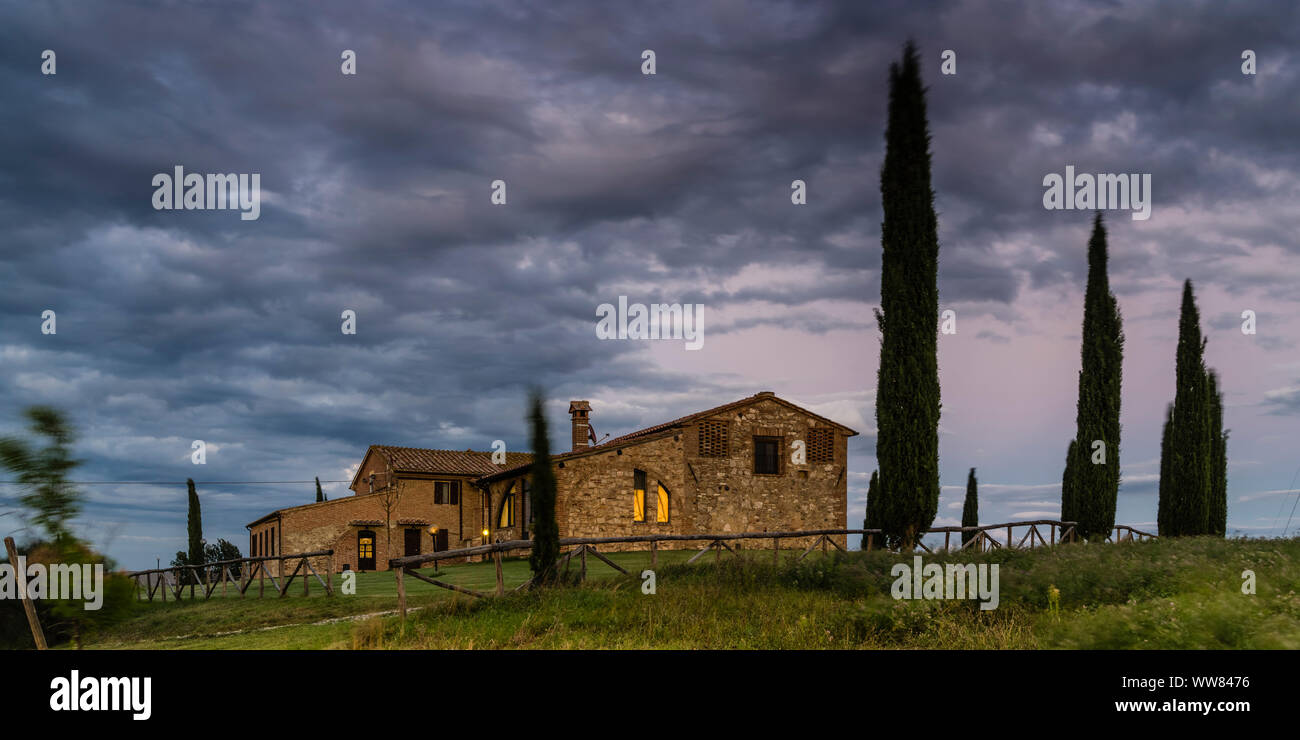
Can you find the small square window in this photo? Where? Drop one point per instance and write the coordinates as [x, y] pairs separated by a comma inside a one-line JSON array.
[[713, 439]]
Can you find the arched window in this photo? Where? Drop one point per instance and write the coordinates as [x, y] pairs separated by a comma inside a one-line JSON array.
[[506, 514], [638, 495], [661, 505]]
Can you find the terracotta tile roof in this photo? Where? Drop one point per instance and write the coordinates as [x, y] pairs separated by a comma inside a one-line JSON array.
[[632, 437], [447, 462]]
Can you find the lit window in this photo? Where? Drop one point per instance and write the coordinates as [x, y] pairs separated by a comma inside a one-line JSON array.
[[365, 547], [506, 516], [661, 510], [638, 496]]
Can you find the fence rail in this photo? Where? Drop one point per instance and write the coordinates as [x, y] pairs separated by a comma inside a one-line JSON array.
[[1059, 531], [201, 576]]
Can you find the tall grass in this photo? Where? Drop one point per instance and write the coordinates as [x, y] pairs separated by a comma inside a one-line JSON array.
[[1175, 593]]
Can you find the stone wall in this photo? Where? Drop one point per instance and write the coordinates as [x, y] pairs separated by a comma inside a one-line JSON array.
[[706, 494]]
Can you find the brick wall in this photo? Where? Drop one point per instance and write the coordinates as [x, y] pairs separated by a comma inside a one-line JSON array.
[[325, 526]]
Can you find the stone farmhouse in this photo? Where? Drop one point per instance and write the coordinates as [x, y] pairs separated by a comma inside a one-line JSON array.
[[732, 468]]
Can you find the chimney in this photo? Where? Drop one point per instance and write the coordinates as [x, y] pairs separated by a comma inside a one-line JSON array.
[[579, 410]]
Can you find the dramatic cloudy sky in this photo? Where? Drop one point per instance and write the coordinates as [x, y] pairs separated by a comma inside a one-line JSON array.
[[182, 325]]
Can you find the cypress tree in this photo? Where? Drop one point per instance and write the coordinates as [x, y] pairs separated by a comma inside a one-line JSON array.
[[970, 511], [320, 495], [1218, 490], [1164, 505], [194, 526], [1069, 481], [1186, 503], [872, 520], [1094, 486], [546, 530], [907, 397]]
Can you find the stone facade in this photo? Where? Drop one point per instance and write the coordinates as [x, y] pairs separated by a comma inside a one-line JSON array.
[[715, 494], [731, 469]]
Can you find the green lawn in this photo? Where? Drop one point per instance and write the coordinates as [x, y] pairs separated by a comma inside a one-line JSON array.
[[1176, 593], [272, 621]]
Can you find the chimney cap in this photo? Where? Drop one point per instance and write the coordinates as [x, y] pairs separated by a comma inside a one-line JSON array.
[[765, 393], [579, 406]]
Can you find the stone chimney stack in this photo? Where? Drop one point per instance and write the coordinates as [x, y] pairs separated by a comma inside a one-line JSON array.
[[578, 411]]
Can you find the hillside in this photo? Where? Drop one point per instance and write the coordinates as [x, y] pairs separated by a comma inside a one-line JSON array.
[[1183, 593]]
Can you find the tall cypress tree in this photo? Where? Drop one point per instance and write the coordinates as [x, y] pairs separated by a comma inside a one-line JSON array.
[[970, 510], [907, 397], [1185, 504], [872, 520], [194, 526], [546, 530], [1218, 489], [320, 495], [1094, 486]]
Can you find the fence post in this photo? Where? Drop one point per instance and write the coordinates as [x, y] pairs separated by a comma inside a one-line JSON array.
[[501, 584], [261, 578], [401, 592], [225, 584], [306, 582], [1009, 545], [654, 553], [583, 575], [329, 574], [776, 550], [871, 541], [37, 633]]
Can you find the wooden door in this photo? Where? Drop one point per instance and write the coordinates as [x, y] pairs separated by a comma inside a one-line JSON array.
[[412, 542], [365, 550]]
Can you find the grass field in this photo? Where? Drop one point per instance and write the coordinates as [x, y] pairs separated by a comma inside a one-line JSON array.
[[1162, 594]]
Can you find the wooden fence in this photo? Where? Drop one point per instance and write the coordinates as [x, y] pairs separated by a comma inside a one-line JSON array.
[[1058, 531], [201, 576]]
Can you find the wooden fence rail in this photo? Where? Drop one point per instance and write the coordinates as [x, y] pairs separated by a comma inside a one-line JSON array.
[[1059, 531], [242, 576]]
